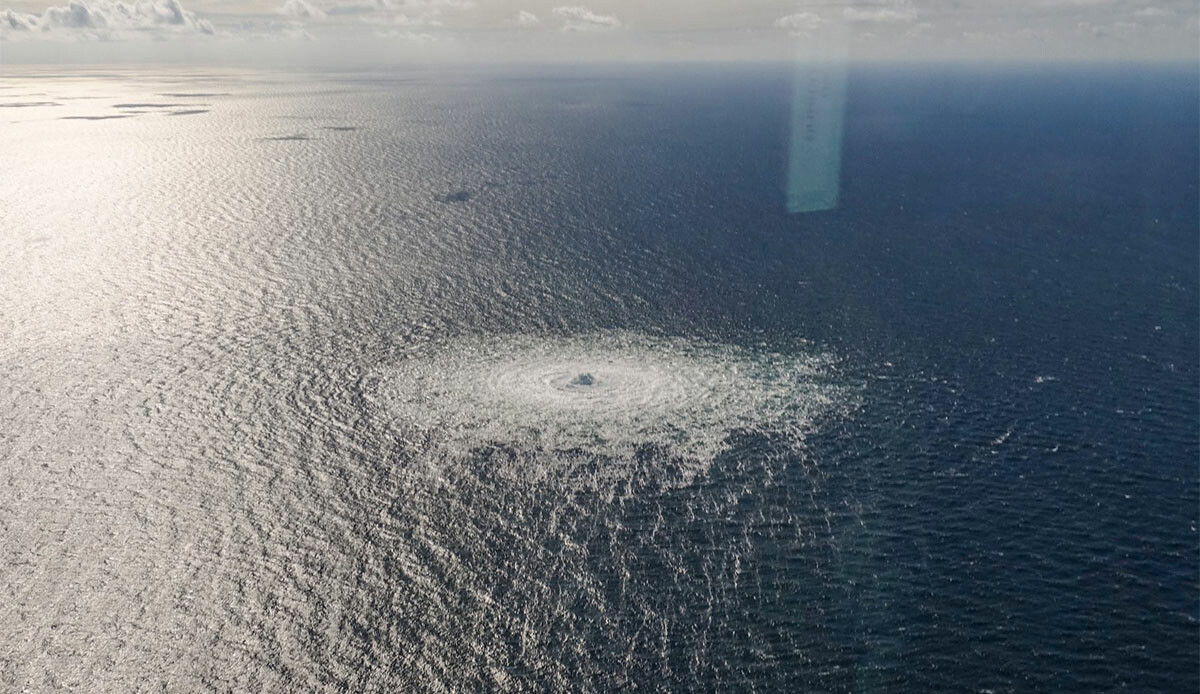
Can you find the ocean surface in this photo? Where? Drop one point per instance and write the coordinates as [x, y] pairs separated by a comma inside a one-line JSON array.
[[523, 380]]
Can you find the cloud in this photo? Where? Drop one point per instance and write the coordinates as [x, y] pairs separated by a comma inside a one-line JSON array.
[[907, 29], [577, 18], [800, 23], [1154, 13], [108, 19], [272, 31], [301, 10], [399, 13], [525, 20], [17, 21], [1115, 30], [1024, 35], [411, 7], [897, 13], [362, 7]]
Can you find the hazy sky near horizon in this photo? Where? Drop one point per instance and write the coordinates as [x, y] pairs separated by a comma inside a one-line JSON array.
[[335, 32]]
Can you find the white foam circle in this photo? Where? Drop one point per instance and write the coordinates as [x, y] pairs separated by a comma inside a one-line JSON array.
[[604, 395]]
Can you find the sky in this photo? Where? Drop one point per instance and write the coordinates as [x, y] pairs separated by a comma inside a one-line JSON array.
[[345, 32]]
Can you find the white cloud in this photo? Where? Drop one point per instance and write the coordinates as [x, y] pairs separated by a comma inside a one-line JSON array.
[[577, 18], [800, 23], [108, 19], [898, 13], [301, 10], [525, 20]]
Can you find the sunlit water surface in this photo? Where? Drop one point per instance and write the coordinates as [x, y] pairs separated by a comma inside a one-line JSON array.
[[427, 381]]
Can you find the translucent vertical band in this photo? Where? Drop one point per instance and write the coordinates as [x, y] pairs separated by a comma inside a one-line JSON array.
[[818, 108]]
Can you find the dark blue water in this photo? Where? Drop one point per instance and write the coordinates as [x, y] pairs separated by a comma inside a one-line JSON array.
[[1001, 230], [1015, 257], [207, 488]]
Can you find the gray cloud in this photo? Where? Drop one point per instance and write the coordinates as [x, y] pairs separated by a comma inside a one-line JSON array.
[[399, 13], [1154, 12], [800, 23], [705, 29], [301, 10], [17, 21], [577, 18], [108, 19], [271, 31], [525, 20], [409, 7], [899, 12]]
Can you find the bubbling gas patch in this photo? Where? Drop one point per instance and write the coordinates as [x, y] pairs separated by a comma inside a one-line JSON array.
[[619, 397]]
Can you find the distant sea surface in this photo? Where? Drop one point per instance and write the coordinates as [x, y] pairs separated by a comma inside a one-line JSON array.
[[436, 380]]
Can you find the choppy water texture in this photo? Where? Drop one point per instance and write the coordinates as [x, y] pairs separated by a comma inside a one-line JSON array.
[[525, 381]]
